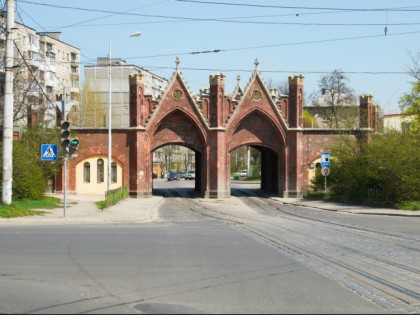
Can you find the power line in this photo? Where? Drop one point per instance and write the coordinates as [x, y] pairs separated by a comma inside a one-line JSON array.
[[271, 45], [398, 9], [247, 22]]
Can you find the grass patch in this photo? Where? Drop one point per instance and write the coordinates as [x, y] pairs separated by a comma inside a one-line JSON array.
[[413, 206], [24, 208], [113, 197]]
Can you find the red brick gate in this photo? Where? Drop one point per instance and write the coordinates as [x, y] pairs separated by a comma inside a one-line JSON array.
[[212, 125], [215, 124]]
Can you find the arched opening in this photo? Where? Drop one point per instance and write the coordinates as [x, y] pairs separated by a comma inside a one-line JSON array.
[[262, 144], [177, 171], [177, 145], [254, 170]]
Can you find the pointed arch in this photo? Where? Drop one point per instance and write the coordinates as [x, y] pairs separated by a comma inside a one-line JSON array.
[[178, 127], [257, 127]]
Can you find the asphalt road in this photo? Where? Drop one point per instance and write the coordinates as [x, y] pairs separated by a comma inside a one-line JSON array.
[[244, 255]]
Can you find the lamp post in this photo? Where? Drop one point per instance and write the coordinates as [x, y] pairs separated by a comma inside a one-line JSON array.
[[135, 34]]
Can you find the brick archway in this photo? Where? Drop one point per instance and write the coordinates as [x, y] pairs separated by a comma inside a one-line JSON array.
[[213, 124], [258, 130], [178, 128]]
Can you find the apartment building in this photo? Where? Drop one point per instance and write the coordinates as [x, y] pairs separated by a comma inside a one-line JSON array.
[[97, 78], [44, 67]]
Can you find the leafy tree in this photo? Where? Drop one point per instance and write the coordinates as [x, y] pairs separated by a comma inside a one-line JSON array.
[[308, 120], [385, 170], [410, 102], [30, 174], [32, 138], [28, 178], [410, 106]]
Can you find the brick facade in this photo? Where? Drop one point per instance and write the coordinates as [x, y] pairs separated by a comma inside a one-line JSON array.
[[213, 125]]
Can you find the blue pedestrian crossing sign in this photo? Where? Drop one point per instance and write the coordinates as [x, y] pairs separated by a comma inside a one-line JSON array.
[[49, 152], [325, 159]]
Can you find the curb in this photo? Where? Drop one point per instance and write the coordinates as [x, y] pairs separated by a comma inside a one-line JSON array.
[[366, 211]]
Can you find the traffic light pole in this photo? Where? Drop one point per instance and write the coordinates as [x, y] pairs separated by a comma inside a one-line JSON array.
[[65, 183], [65, 145]]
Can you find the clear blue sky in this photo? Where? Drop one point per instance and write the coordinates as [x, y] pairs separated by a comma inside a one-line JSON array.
[[288, 37]]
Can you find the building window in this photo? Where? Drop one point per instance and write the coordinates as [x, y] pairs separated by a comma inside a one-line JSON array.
[[86, 172], [100, 174], [405, 126], [114, 172]]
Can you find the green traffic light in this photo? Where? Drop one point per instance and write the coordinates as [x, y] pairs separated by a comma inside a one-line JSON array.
[[74, 142]]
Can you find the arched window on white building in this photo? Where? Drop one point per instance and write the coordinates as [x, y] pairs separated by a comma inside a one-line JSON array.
[[86, 172], [100, 171]]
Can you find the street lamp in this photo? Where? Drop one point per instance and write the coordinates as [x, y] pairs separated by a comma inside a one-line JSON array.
[[135, 34]]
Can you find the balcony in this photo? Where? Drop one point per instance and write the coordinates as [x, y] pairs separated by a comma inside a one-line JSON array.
[[75, 77], [74, 90]]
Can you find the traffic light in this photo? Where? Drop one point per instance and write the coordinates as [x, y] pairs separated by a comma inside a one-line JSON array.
[[74, 147], [65, 135]]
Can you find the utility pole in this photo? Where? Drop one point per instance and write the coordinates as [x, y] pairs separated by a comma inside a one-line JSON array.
[[64, 111], [8, 108]]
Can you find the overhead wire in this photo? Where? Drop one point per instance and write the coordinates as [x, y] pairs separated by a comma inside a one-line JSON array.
[[260, 46], [399, 9]]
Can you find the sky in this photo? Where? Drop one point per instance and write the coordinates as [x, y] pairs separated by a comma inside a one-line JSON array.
[[288, 37]]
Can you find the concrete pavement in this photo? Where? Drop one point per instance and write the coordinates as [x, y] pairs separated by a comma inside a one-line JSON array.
[[81, 209]]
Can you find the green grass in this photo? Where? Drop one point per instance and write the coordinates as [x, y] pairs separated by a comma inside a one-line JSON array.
[[413, 206], [23, 208], [113, 197]]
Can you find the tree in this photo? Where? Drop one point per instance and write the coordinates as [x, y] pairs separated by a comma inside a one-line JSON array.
[[410, 106], [30, 173], [410, 102], [385, 170], [90, 112], [338, 99]]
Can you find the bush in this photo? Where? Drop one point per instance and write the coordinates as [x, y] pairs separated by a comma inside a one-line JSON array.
[[28, 178], [383, 171]]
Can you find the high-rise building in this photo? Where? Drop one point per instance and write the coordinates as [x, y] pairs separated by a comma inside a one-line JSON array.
[[97, 79], [44, 67]]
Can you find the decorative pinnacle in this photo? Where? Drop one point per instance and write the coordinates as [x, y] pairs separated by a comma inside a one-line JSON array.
[[256, 62], [238, 78], [177, 62]]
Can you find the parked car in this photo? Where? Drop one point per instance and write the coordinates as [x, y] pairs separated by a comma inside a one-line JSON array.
[[190, 175], [182, 174], [173, 176], [244, 173]]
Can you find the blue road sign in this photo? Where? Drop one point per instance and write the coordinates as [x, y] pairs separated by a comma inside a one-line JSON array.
[[325, 159], [49, 152]]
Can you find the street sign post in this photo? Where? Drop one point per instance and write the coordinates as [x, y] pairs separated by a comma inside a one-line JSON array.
[[325, 171], [49, 152], [325, 159]]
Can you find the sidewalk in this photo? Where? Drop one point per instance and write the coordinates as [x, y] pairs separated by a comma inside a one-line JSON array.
[[344, 207], [81, 209]]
